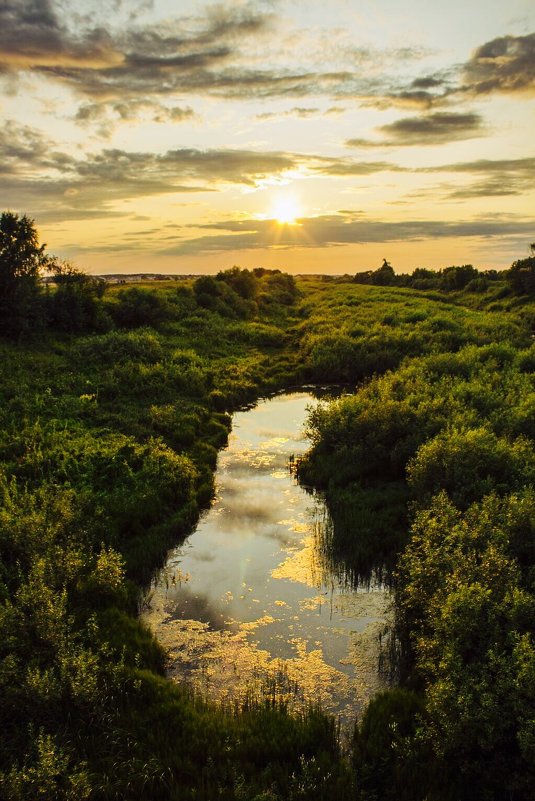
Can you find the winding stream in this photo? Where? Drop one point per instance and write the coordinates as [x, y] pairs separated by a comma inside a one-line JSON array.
[[247, 604]]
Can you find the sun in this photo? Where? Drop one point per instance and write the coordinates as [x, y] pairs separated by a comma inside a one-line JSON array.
[[285, 209]]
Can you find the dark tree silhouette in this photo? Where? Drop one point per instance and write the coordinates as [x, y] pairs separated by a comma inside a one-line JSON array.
[[75, 305], [521, 275], [22, 260]]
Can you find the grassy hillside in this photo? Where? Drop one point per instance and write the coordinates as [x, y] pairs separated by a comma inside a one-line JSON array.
[[111, 421]]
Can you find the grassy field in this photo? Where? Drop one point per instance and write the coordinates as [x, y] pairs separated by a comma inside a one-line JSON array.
[[110, 424]]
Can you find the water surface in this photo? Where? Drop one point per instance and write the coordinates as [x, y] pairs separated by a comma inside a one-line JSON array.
[[247, 604]]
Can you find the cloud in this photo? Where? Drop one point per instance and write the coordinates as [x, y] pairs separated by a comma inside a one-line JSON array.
[[340, 229], [21, 147], [207, 73], [432, 129], [115, 57], [505, 64], [104, 63], [57, 185], [116, 173], [109, 115], [499, 177], [32, 36], [299, 111], [215, 54], [54, 185], [345, 167]]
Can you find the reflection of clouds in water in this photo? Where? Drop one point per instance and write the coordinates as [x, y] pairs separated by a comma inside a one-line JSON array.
[[244, 472], [279, 533], [252, 505], [250, 624], [186, 605], [249, 511], [251, 488], [283, 440], [244, 516], [283, 444], [245, 459], [237, 468], [202, 556]]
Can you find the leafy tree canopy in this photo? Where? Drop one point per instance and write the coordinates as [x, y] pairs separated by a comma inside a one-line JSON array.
[[21, 256], [22, 259]]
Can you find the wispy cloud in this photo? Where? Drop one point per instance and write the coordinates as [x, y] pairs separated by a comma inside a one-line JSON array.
[[494, 177], [346, 167], [301, 112], [505, 64], [32, 36], [344, 228], [431, 129], [40, 177], [57, 185], [105, 63], [217, 53]]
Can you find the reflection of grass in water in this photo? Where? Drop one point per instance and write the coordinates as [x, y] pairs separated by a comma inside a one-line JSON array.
[[358, 539]]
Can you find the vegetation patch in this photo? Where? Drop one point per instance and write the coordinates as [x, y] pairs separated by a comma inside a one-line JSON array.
[[114, 401]]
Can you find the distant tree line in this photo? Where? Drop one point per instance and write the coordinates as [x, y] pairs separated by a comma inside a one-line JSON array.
[[520, 277], [72, 301]]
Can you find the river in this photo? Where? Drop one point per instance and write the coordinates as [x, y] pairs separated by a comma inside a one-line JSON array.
[[248, 605]]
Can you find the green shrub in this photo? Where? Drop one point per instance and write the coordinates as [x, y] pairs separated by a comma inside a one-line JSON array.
[[136, 307], [470, 464], [119, 347]]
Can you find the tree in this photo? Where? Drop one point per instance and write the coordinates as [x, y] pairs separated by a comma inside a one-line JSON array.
[[453, 278], [75, 305], [521, 275], [243, 282], [385, 275], [22, 260], [137, 307]]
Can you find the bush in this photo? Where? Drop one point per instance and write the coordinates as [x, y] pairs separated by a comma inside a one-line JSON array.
[[389, 761], [140, 307], [119, 347], [75, 304], [470, 464], [521, 275]]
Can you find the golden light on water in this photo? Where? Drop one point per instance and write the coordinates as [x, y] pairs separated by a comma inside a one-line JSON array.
[[261, 613]]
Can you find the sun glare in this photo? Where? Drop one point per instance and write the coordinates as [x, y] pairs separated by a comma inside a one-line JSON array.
[[285, 210]]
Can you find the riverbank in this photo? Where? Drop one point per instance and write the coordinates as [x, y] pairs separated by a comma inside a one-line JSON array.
[[108, 445]]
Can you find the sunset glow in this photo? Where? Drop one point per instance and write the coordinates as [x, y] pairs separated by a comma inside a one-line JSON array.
[[150, 136], [285, 210]]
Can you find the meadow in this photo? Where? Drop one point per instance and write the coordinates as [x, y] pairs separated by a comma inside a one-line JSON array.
[[115, 401]]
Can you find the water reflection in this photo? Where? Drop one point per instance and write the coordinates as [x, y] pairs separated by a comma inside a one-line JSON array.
[[249, 601]]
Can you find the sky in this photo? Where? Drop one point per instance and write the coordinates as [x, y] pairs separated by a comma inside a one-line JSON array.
[[304, 135]]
